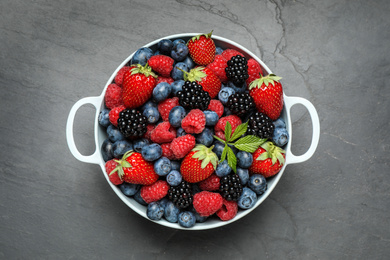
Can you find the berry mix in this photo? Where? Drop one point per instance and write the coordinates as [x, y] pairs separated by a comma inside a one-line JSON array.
[[193, 130]]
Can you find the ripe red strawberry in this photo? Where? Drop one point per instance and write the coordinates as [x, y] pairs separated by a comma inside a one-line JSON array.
[[219, 128], [229, 53], [254, 71], [206, 203], [138, 84], [182, 145], [267, 92], [201, 49], [199, 164], [155, 191], [114, 178], [161, 64], [194, 122], [164, 107], [113, 96], [133, 168], [268, 160], [163, 133], [206, 78], [218, 66]]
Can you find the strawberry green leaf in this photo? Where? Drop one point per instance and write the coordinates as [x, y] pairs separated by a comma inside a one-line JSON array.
[[228, 131], [239, 131], [232, 160], [262, 157], [249, 143]]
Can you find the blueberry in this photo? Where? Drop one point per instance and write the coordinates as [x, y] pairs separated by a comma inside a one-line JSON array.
[[106, 150], [218, 50], [190, 63], [137, 197], [280, 136], [198, 217], [148, 104], [180, 132], [165, 46], [114, 134], [151, 152], [176, 115], [163, 202], [171, 212], [177, 86], [161, 91], [139, 143], [179, 51], [141, 56], [174, 178], [177, 71], [211, 117], [243, 174], [225, 93], [129, 189], [186, 219], [279, 123], [103, 117], [218, 148], [247, 199], [223, 169], [177, 41], [119, 148], [155, 211], [244, 159], [257, 183], [237, 89], [175, 165], [162, 166], [152, 114], [206, 137]]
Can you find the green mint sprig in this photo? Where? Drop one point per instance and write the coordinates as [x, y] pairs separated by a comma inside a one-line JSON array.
[[248, 143]]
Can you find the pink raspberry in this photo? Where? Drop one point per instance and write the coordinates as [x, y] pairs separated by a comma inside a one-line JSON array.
[[218, 66], [113, 96], [114, 177], [194, 122], [229, 53], [163, 133], [149, 129], [119, 75], [113, 115], [212, 183], [216, 106], [169, 80], [165, 107], [167, 152], [206, 203], [228, 210], [254, 71], [219, 128], [155, 191], [182, 145]]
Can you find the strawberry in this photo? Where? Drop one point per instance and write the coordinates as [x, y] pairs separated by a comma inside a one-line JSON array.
[[201, 49], [198, 164], [138, 84], [133, 168], [161, 64], [268, 160], [206, 78], [267, 92]]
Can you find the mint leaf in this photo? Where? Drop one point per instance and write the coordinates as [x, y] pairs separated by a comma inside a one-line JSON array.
[[239, 131], [249, 143], [232, 160], [219, 139], [228, 131]]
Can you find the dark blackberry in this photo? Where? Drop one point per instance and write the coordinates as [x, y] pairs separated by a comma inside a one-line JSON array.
[[193, 96], [181, 195], [230, 187], [261, 125], [240, 103], [131, 123], [237, 70]]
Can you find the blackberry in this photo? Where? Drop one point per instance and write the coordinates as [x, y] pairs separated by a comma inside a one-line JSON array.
[[260, 125], [181, 195], [240, 103], [193, 96], [132, 123], [230, 187], [237, 70]]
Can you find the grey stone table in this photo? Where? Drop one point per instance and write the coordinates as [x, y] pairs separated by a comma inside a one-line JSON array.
[[334, 53]]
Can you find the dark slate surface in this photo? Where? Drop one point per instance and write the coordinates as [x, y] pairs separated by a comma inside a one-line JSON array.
[[334, 53]]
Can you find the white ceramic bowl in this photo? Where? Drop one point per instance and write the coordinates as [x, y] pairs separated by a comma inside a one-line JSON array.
[[100, 136]]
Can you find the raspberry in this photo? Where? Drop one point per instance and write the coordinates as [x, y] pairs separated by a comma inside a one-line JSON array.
[[228, 210], [254, 71], [216, 106], [218, 67], [219, 128], [163, 133], [155, 191], [165, 107], [113, 115], [167, 152], [119, 75], [229, 53], [182, 145], [168, 80], [149, 129], [161, 64], [114, 178], [113, 96], [212, 183], [206, 203], [194, 122]]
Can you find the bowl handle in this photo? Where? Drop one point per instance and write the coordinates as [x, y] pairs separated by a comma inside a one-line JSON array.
[[289, 102], [93, 158]]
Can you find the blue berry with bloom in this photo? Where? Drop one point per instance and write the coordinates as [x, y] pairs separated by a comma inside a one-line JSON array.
[[162, 166], [187, 219], [154, 211]]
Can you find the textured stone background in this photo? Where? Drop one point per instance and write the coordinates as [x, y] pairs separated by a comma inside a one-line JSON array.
[[334, 53]]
